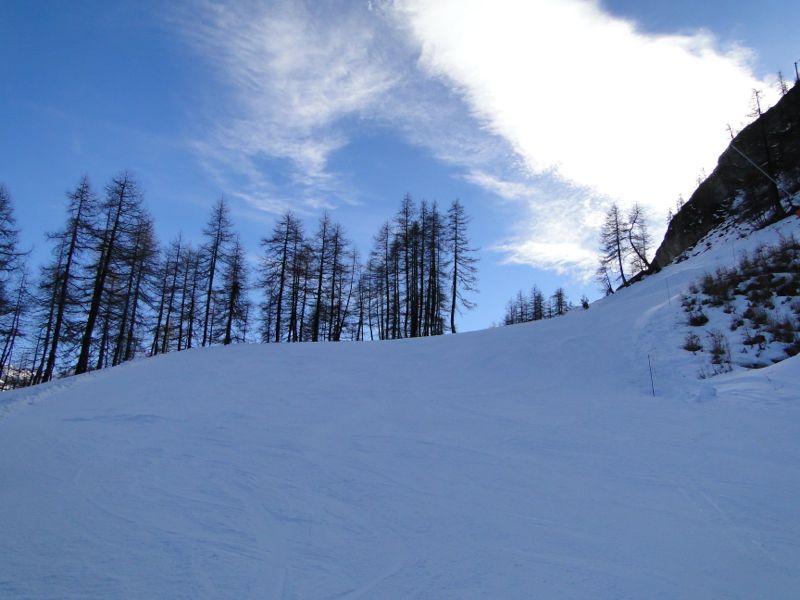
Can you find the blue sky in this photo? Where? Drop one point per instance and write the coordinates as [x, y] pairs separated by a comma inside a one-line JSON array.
[[536, 114]]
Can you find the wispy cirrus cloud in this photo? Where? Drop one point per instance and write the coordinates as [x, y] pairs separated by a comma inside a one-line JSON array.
[[293, 75], [558, 229], [554, 104]]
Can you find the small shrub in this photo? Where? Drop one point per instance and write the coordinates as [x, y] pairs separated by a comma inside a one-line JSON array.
[[761, 257], [692, 343], [788, 287], [748, 285], [697, 319], [707, 283], [745, 265], [760, 293], [755, 340], [736, 322], [782, 330], [793, 349], [786, 251], [719, 350], [756, 315], [733, 278], [717, 287]]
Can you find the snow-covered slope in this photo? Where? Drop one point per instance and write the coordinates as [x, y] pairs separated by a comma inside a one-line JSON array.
[[527, 461]]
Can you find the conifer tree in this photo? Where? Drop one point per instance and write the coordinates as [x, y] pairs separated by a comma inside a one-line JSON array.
[[403, 221], [9, 253], [14, 329], [463, 270], [218, 233], [639, 239], [613, 244], [193, 266], [321, 260], [234, 277], [72, 242], [120, 212], [560, 302], [175, 260], [143, 275], [603, 278], [46, 300], [537, 304], [280, 252], [380, 268]]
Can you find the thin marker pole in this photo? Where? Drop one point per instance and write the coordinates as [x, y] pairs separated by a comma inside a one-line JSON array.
[[652, 385]]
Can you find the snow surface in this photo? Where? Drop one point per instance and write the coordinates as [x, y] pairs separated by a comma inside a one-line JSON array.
[[520, 462]]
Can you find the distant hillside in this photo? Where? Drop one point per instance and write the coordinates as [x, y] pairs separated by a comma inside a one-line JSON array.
[[737, 188]]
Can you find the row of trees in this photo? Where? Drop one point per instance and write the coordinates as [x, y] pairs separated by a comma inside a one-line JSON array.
[[111, 292], [415, 279], [535, 306]]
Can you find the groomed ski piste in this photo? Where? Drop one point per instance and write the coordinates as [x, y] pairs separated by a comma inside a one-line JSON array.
[[530, 461]]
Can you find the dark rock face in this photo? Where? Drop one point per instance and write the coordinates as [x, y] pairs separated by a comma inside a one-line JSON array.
[[736, 188]]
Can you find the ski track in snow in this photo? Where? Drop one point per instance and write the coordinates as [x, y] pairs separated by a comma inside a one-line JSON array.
[[525, 461]]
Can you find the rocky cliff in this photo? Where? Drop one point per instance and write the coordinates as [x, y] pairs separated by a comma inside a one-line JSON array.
[[739, 189]]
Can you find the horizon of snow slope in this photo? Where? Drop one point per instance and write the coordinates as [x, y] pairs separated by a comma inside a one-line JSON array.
[[524, 461]]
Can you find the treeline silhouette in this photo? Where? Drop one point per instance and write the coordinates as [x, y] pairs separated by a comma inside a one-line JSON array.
[[535, 306], [111, 292]]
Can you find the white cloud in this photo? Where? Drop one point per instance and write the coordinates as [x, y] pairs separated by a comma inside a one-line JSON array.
[[554, 104], [293, 74], [633, 116], [557, 228], [588, 99]]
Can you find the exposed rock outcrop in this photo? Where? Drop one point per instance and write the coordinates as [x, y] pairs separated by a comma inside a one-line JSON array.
[[738, 189]]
